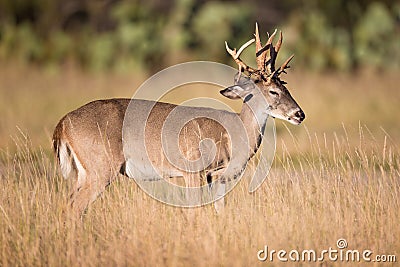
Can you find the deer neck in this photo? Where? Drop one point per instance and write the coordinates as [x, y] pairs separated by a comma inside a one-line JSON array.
[[254, 117]]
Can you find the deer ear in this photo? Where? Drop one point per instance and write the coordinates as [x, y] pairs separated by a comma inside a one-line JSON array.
[[234, 92]]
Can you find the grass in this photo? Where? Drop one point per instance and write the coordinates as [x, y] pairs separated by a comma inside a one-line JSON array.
[[335, 177]]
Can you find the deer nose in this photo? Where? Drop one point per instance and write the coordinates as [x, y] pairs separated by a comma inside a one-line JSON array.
[[300, 115]]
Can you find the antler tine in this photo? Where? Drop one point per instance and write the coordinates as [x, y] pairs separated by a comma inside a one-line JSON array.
[[271, 38], [285, 64], [235, 55], [269, 58], [279, 43], [257, 36], [243, 47], [259, 48], [283, 67]]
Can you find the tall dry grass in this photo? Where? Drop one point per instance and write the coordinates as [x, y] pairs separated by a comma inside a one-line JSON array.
[[333, 191], [336, 177]]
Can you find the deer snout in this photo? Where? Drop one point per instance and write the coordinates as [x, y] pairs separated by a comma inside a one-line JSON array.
[[297, 116], [300, 115]]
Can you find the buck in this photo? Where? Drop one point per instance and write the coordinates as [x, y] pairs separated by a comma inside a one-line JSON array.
[[89, 147]]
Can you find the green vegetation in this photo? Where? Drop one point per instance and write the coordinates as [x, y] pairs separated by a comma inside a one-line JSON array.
[[149, 35]]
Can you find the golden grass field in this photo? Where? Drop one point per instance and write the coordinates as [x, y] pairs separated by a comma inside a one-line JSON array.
[[335, 176]]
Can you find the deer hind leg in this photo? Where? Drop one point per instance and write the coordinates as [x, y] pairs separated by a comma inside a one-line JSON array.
[[72, 168], [85, 193], [88, 185]]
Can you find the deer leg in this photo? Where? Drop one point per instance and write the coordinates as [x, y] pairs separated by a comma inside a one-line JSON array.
[[218, 189], [87, 191], [219, 204], [193, 190]]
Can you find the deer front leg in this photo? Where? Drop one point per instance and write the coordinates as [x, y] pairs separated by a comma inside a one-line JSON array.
[[193, 190], [217, 189], [227, 178], [219, 204]]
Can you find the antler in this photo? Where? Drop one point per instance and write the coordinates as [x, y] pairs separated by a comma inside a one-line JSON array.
[[260, 54], [235, 55], [265, 56], [265, 62]]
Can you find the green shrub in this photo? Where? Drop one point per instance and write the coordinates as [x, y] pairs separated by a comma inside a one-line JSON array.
[[217, 22], [378, 44]]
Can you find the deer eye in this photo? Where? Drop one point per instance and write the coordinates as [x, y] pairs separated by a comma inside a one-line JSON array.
[[273, 93]]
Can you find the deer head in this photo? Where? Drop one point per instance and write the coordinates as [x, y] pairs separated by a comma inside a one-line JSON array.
[[280, 102]]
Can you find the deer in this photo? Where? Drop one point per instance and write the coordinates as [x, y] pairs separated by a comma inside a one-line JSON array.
[[88, 142]]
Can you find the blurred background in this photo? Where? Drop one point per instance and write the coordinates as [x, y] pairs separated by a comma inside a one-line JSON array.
[[149, 35], [57, 55]]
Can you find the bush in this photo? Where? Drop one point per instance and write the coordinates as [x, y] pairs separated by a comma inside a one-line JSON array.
[[325, 43], [378, 44]]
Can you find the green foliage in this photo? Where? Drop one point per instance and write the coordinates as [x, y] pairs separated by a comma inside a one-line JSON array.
[[216, 22], [176, 34], [58, 48], [376, 37], [20, 43], [342, 36], [318, 45], [126, 35], [101, 51]]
